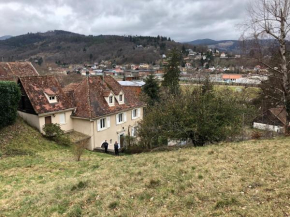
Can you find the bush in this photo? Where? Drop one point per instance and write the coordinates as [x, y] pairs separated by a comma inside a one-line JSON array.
[[63, 140], [9, 101], [55, 133], [256, 135], [52, 130]]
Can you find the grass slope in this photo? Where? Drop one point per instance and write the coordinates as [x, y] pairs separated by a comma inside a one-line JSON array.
[[241, 179]]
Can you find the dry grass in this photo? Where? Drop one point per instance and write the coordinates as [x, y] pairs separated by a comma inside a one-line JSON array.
[[241, 179]]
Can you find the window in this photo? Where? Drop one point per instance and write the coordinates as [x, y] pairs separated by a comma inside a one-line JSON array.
[[133, 132], [52, 98], [120, 116], [134, 115], [121, 98], [62, 118], [103, 123], [110, 99]]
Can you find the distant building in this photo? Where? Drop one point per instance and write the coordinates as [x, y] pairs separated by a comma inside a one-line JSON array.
[[231, 77]]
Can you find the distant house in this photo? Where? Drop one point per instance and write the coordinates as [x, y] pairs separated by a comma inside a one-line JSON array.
[[231, 77], [98, 107], [11, 71], [273, 119], [223, 55]]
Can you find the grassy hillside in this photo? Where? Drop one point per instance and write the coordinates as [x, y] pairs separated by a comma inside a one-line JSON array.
[[241, 179]]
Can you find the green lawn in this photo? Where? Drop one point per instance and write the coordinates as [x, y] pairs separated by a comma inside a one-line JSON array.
[[39, 178]]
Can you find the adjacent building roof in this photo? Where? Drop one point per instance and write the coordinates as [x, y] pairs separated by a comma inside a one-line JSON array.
[[13, 70], [37, 86], [132, 83], [90, 97]]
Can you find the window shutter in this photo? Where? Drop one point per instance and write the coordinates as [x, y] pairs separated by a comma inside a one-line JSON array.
[[117, 118], [62, 118], [108, 122], [132, 114], [138, 112], [125, 116], [133, 132], [98, 125]]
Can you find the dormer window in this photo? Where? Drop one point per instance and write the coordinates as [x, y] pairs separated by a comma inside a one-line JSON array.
[[110, 99], [121, 98], [51, 98]]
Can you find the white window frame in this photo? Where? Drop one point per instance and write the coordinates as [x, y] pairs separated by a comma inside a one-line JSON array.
[[120, 118], [137, 113], [121, 97], [103, 123], [133, 131], [111, 100], [62, 121], [124, 118]]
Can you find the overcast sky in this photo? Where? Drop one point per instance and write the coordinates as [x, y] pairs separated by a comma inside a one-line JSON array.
[[182, 20]]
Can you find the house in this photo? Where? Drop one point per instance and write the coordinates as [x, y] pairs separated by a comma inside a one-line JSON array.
[[105, 111], [273, 119], [223, 55], [133, 86], [98, 107], [231, 77], [43, 101], [10, 71]]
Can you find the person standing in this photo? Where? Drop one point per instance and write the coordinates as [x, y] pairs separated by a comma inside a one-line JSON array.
[[105, 145], [116, 147]]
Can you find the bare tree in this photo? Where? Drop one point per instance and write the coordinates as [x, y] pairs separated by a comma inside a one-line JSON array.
[[79, 148], [270, 19]]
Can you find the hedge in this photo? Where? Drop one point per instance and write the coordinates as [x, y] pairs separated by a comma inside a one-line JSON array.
[[9, 101]]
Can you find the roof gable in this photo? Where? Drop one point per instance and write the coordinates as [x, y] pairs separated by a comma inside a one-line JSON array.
[[37, 86], [11, 70], [90, 97]]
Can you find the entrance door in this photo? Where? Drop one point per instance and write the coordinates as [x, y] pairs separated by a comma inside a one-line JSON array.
[[47, 120], [122, 138]]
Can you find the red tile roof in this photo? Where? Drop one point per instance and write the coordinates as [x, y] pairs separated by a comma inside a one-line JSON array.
[[36, 87], [90, 100], [231, 76], [13, 70]]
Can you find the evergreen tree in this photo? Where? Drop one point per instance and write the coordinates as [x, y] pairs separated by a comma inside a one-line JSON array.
[[151, 89], [172, 72]]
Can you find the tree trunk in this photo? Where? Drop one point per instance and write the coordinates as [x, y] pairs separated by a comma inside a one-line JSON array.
[[284, 71]]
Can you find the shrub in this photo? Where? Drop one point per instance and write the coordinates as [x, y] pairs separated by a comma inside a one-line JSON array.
[[256, 135], [63, 140], [52, 130], [9, 100]]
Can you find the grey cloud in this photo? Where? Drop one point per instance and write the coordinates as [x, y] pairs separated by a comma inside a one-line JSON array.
[[182, 20]]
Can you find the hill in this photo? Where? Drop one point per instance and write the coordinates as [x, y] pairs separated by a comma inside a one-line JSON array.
[[235, 179], [223, 45], [5, 37], [67, 47]]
